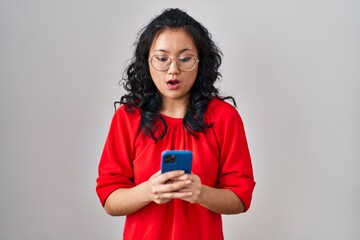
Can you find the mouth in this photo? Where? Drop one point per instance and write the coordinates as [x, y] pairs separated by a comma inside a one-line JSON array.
[[173, 84]]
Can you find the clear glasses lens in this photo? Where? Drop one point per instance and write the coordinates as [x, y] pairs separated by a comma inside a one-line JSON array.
[[162, 63]]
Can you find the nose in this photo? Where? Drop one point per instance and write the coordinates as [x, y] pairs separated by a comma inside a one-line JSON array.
[[173, 68]]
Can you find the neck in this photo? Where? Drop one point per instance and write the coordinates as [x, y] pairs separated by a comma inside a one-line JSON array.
[[175, 109]]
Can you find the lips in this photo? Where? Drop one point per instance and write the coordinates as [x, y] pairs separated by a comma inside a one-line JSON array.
[[173, 84]]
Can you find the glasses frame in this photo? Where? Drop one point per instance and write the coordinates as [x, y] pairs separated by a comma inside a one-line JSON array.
[[177, 63]]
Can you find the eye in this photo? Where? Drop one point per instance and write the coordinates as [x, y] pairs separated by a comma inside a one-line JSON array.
[[161, 58], [184, 59]]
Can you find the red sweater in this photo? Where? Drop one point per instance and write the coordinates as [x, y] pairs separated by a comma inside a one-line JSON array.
[[220, 158]]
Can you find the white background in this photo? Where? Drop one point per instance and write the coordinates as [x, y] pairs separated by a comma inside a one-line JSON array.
[[293, 67]]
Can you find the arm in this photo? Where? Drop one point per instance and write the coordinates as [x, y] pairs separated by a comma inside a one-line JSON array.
[[124, 201], [235, 170], [222, 201], [235, 183]]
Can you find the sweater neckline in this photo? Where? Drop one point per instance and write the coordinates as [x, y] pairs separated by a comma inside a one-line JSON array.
[[171, 120]]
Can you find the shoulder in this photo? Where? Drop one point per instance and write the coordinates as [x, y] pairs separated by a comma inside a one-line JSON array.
[[219, 109], [127, 114], [125, 124], [125, 110]]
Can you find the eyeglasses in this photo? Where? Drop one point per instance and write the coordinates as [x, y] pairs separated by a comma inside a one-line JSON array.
[[162, 63]]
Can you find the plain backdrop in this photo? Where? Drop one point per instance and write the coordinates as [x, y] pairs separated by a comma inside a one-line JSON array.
[[293, 67]]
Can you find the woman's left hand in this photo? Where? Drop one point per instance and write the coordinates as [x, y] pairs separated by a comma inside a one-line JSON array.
[[195, 187], [222, 201]]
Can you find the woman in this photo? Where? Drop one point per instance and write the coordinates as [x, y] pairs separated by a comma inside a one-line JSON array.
[[171, 103]]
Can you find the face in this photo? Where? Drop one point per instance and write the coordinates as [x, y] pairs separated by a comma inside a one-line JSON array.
[[173, 83]]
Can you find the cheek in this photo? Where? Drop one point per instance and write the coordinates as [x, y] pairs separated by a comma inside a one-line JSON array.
[[194, 76], [152, 74], [151, 70], [156, 76]]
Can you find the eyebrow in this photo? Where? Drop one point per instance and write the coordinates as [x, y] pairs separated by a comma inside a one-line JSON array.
[[165, 51]]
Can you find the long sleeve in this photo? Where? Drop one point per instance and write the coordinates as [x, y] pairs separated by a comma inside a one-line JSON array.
[[236, 171], [115, 169]]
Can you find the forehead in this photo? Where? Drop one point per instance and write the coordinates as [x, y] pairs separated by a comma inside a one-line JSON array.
[[173, 41]]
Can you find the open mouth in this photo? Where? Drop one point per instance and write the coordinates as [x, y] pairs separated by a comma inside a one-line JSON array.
[[173, 84]]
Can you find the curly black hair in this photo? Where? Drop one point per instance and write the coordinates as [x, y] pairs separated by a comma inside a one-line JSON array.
[[142, 92]]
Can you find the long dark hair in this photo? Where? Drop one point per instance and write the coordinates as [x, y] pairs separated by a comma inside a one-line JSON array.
[[142, 92]]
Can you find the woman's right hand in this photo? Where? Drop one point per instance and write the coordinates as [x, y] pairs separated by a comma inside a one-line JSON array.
[[161, 188]]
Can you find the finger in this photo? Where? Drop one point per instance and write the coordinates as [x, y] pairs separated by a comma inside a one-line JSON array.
[[173, 195], [172, 186], [181, 178], [170, 175]]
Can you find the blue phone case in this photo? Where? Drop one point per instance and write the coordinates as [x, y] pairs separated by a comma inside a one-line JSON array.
[[176, 160]]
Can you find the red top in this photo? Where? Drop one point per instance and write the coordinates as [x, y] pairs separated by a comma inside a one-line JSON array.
[[220, 158]]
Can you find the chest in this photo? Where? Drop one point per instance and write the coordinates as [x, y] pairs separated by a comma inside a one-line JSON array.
[[206, 154]]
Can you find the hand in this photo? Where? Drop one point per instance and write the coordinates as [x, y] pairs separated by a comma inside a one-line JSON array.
[[164, 187], [195, 187]]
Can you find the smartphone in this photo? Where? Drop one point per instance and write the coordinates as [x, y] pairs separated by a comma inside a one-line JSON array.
[[176, 160]]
